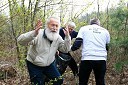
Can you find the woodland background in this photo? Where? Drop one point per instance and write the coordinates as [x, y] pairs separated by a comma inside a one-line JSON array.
[[22, 18]]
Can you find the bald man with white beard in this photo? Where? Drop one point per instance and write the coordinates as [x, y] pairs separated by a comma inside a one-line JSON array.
[[43, 46]]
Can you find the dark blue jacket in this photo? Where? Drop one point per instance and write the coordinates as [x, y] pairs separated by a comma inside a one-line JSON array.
[[71, 63], [73, 34]]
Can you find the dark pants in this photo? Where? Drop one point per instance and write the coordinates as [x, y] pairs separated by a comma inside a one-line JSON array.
[[38, 73], [62, 65], [63, 62], [99, 68]]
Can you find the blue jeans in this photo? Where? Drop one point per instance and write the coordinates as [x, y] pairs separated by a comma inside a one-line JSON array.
[[99, 68], [37, 74]]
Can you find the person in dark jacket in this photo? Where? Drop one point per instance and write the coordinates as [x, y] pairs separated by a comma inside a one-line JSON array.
[[71, 26], [69, 60]]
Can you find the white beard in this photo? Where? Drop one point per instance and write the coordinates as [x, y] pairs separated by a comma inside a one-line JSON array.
[[53, 36]]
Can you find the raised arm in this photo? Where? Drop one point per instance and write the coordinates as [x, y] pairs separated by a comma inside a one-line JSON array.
[[26, 38]]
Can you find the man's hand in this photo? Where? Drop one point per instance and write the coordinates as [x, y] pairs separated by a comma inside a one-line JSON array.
[[66, 31], [38, 26]]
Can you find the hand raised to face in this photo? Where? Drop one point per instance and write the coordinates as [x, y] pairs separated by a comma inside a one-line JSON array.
[[66, 30]]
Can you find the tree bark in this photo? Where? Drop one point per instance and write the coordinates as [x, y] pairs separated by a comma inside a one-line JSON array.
[[13, 31]]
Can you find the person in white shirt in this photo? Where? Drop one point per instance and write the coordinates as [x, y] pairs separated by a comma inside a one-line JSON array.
[[43, 46], [94, 40]]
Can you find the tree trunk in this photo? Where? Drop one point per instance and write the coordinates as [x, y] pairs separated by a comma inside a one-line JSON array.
[[13, 31], [34, 13]]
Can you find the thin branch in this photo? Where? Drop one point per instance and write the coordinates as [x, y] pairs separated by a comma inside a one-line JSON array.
[[75, 16]]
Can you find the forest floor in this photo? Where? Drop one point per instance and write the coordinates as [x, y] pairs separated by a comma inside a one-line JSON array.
[[112, 78], [17, 76]]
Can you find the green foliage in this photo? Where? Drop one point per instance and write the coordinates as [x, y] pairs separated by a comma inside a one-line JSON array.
[[118, 17], [56, 79], [22, 63], [79, 23], [124, 43], [118, 65]]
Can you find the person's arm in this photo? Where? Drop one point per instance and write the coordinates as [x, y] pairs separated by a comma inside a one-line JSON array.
[[107, 41], [26, 38], [61, 33], [77, 44], [65, 44], [107, 47]]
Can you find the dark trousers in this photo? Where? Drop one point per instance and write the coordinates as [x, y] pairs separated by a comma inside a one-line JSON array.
[[37, 74], [99, 68], [62, 65]]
